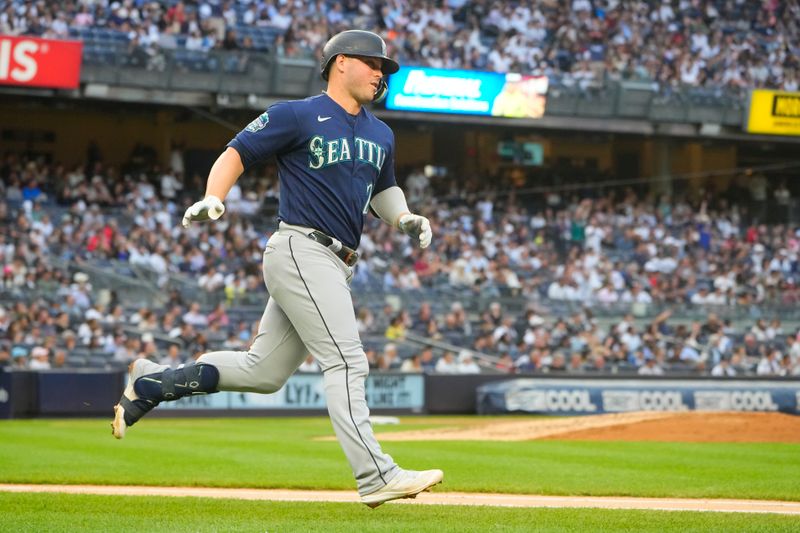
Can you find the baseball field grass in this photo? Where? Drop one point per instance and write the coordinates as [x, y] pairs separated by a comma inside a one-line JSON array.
[[287, 453], [83, 513]]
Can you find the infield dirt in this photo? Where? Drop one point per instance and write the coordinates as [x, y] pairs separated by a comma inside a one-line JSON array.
[[640, 426]]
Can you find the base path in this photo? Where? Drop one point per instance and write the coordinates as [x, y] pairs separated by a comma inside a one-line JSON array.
[[431, 498]]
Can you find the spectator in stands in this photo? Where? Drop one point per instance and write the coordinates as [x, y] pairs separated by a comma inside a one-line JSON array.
[[396, 329], [427, 360], [148, 349], [230, 42], [365, 320], [569, 45], [467, 364], [212, 279], [59, 358], [235, 286], [5, 356], [173, 357], [233, 342], [447, 364], [558, 363], [576, 364], [195, 317], [723, 369], [389, 359], [80, 291], [630, 222], [792, 349], [219, 316], [412, 364], [422, 317], [770, 364], [650, 368], [19, 356], [505, 364], [529, 362]]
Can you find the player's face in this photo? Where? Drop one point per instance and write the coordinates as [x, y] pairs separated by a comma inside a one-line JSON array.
[[363, 75]]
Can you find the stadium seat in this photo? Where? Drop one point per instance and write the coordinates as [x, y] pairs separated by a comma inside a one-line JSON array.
[[96, 362], [75, 361]]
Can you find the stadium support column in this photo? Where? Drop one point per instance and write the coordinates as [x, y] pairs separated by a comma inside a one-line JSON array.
[[163, 141], [695, 152], [662, 163]]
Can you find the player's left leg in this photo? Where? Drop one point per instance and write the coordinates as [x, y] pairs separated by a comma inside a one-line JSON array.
[[274, 355], [150, 383]]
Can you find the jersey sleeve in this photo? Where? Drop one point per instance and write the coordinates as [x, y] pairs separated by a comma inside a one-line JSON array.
[[272, 132], [386, 178]]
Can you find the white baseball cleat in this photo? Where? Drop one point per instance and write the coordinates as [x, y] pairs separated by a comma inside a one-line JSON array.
[[406, 484], [136, 369]]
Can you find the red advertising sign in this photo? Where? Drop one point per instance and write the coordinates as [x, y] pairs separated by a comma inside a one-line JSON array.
[[39, 62]]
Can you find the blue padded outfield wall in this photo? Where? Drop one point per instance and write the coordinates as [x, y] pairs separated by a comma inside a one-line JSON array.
[[306, 391], [93, 393], [588, 397]]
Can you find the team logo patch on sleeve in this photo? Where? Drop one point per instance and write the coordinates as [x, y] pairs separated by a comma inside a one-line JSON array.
[[258, 123]]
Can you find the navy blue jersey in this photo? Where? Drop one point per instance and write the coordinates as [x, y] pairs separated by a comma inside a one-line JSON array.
[[330, 163]]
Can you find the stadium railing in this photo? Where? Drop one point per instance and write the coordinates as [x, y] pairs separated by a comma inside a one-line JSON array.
[[240, 73]]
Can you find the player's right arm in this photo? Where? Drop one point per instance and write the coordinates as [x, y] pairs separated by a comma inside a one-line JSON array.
[[224, 173], [272, 131]]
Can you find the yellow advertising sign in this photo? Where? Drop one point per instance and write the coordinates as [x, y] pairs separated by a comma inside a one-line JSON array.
[[774, 112]]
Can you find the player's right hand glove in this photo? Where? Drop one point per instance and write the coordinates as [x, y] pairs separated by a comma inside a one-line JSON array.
[[209, 208], [417, 227]]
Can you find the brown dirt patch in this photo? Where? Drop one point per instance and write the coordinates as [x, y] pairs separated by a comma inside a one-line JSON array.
[[700, 427], [640, 426]]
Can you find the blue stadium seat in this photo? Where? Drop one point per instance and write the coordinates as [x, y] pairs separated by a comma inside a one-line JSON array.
[[240, 9], [75, 361], [95, 361]]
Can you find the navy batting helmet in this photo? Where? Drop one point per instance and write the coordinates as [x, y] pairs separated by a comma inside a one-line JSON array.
[[356, 43]]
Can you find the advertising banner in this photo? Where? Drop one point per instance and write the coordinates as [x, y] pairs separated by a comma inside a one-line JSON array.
[[578, 397], [467, 92], [33, 62], [773, 112], [307, 391]]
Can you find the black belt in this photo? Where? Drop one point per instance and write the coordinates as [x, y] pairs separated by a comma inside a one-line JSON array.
[[347, 255]]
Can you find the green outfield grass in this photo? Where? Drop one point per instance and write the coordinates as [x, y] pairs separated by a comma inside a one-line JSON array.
[[83, 513], [282, 453]]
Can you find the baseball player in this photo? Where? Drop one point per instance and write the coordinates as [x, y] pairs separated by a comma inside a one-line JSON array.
[[335, 161]]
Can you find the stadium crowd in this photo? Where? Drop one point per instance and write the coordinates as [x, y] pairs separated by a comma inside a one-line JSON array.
[[573, 261], [698, 43]]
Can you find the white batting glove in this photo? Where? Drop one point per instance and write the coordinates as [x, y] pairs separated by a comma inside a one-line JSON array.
[[209, 208], [417, 227]]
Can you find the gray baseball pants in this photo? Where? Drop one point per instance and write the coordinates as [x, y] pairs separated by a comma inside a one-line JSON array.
[[310, 309]]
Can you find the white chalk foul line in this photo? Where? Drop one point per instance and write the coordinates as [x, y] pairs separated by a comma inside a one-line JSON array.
[[431, 498]]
